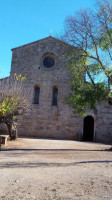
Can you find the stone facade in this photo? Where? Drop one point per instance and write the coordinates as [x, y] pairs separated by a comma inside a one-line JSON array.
[[54, 121]]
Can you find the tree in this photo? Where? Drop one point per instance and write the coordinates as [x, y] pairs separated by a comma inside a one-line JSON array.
[[90, 31], [13, 100]]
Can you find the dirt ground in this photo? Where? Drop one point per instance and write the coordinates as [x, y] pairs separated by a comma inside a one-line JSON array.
[[39, 169]]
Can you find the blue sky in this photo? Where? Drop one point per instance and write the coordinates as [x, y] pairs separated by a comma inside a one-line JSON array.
[[25, 21]]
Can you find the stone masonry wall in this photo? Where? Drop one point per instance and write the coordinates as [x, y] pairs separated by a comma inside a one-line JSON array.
[[103, 129], [45, 120]]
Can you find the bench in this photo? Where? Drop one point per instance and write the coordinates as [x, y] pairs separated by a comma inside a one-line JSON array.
[[4, 139]]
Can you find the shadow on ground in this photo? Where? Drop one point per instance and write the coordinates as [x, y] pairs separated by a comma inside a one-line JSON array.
[[45, 164], [49, 150]]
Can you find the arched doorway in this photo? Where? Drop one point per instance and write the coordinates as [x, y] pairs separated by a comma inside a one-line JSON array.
[[88, 129]]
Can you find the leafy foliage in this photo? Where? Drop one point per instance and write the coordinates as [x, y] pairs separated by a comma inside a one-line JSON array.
[[13, 100], [85, 94], [90, 31]]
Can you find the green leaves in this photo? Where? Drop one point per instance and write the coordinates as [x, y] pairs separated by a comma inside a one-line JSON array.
[[85, 94], [20, 77], [105, 40], [7, 106], [90, 31], [12, 98]]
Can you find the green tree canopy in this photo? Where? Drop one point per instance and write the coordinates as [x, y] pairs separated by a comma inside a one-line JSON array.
[[90, 31]]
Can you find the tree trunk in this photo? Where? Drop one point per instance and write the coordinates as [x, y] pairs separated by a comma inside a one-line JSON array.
[[12, 130]]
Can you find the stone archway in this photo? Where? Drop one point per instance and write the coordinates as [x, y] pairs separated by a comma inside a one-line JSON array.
[[88, 129]]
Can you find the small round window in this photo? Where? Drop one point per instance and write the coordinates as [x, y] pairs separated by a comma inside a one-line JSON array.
[[48, 61]]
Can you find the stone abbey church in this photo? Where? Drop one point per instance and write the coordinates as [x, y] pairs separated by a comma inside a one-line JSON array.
[[43, 63]]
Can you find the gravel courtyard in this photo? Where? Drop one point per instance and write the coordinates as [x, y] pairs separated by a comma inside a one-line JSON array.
[[39, 169]]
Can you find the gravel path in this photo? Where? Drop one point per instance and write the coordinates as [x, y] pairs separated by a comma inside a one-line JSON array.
[[36, 169]]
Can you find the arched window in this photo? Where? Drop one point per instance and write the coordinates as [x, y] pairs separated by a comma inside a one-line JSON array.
[[55, 96], [36, 94]]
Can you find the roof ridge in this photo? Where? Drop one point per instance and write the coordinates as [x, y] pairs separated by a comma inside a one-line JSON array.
[[59, 40]]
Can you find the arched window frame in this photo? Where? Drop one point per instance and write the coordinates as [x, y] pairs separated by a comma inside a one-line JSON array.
[[55, 99], [36, 98]]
